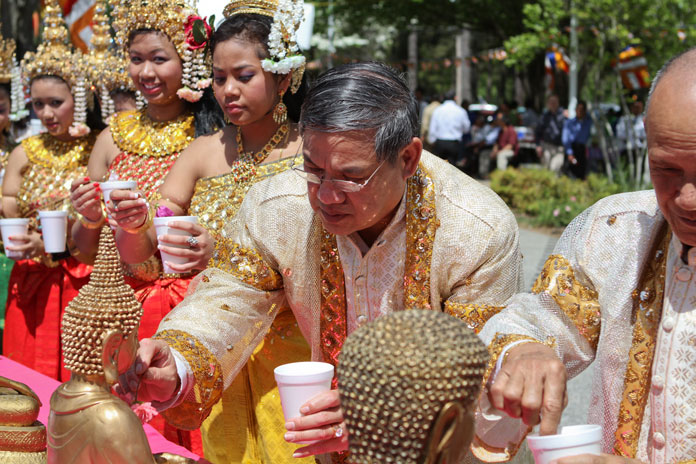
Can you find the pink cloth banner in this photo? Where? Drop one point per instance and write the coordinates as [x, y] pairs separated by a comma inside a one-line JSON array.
[[44, 388]]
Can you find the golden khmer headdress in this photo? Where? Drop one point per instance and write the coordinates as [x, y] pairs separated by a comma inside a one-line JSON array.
[[7, 59], [282, 40], [397, 373], [105, 303], [175, 18], [10, 72], [55, 57], [108, 66]]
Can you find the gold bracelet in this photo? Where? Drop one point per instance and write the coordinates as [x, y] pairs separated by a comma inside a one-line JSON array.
[[142, 227], [87, 224]]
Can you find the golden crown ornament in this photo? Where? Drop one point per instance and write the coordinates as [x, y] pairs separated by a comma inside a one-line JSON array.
[[10, 73], [282, 41], [55, 57], [7, 58], [179, 20], [108, 67]]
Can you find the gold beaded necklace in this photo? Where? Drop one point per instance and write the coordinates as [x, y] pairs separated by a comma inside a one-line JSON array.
[[259, 157]]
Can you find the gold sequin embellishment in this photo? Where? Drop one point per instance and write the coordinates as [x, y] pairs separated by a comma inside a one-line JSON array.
[[135, 132]]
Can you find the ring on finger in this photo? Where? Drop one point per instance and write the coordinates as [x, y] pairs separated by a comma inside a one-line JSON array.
[[338, 430], [192, 242]]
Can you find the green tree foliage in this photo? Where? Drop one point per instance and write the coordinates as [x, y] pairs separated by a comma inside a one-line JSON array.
[[605, 27]]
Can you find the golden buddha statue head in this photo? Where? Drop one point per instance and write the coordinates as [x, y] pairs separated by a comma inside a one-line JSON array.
[[408, 383], [100, 325]]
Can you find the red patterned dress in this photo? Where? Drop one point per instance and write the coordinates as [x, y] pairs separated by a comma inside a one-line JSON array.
[[40, 288]]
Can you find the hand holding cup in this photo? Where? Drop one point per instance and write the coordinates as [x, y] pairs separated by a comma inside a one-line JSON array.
[[85, 197], [194, 246], [127, 209]]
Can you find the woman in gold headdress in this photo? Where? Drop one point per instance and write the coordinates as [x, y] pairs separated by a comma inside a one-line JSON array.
[[8, 73], [38, 177], [210, 180], [109, 68], [170, 72]]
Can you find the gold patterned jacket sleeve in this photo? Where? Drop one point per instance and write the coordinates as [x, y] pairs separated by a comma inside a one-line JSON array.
[[476, 296], [579, 288], [228, 310], [476, 265]]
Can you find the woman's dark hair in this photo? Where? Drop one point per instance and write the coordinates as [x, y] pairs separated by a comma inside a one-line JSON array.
[[94, 120], [254, 29], [207, 115]]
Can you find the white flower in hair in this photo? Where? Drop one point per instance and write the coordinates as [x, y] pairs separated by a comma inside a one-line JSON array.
[[282, 40]]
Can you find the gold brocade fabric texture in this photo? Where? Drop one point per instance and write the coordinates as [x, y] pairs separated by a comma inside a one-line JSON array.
[[249, 415], [217, 199], [586, 299], [148, 150], [52, 167], [474, 258]]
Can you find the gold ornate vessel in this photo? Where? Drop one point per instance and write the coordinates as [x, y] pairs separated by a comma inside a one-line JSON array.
[[22, 437]]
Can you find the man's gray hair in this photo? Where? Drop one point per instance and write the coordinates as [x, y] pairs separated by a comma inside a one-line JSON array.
[[687, 57], [369, 97]]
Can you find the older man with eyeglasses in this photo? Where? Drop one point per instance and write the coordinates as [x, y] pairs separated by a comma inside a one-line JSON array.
[[365, 223]]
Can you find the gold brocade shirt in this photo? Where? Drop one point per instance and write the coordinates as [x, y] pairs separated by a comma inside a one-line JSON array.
[[52, 166], [614, 293], [217, 199], [275, 255], [148, 151]]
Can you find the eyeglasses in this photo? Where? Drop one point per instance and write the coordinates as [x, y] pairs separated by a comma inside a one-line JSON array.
[[347, 186]]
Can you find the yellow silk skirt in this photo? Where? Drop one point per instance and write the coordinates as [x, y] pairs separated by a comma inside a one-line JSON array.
[[247, 425]]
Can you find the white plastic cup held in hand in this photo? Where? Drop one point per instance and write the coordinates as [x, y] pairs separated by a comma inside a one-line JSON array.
[[572, 441], [162, 228], [110, 186], [299, 382], [54, 228], [12, 227]]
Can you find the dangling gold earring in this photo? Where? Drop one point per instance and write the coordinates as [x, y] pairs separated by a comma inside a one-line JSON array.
[[280, 112]]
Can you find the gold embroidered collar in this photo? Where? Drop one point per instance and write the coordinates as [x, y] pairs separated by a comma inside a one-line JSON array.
[[134, 132], [421, 225], [46, 150]]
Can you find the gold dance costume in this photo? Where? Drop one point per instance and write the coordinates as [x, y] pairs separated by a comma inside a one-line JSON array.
[[247, 425], [148, 151], [40, 288]]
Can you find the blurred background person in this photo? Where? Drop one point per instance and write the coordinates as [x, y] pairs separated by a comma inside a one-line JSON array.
[[549, 133], [448, 125], [507, 145], [576, 136]]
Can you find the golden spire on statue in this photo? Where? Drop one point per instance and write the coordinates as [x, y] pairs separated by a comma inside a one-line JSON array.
[[100, 339]]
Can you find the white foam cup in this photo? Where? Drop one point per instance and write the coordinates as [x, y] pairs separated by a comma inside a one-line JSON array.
[[299, 382], [110, 186], [54, 228], [11, 227], [162, 228], [572, 441]]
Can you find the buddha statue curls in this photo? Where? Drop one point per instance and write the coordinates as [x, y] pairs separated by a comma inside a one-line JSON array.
[[408, 382], [88, 424]]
